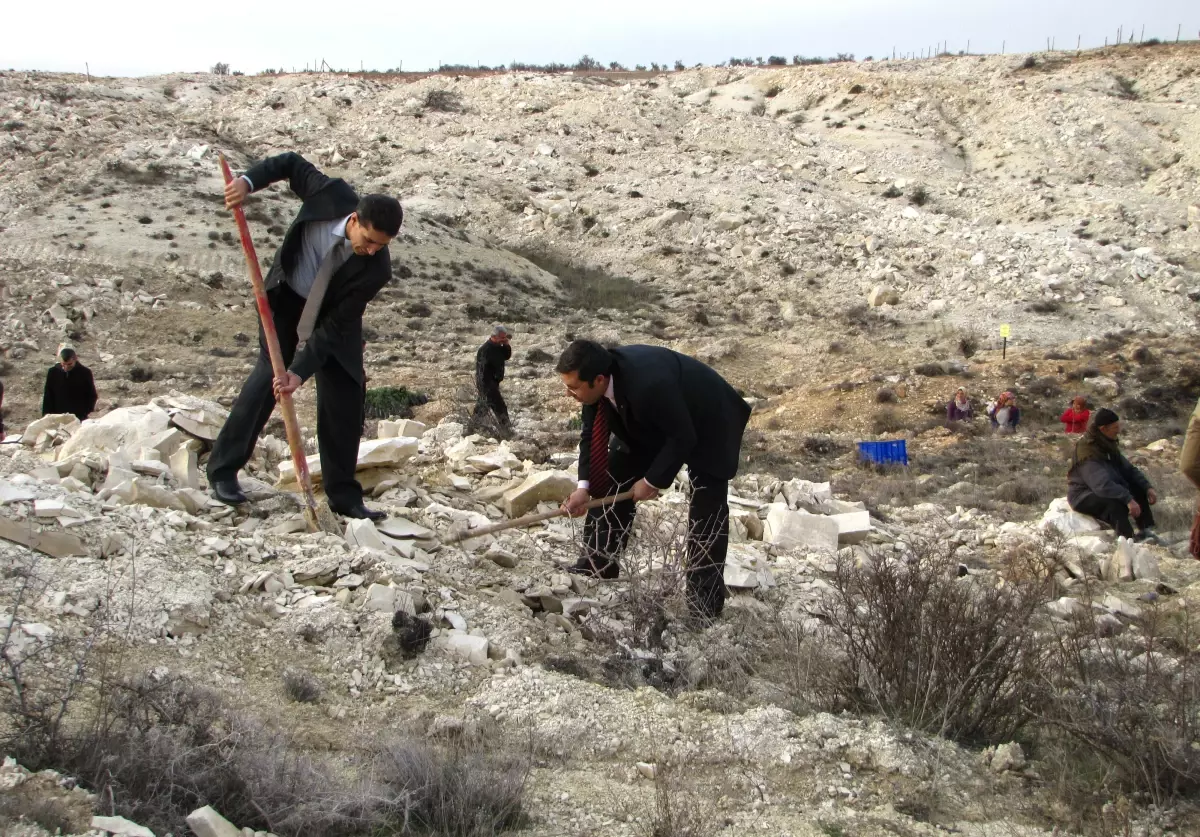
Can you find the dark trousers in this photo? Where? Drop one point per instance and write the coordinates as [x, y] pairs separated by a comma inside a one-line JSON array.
[[488, 397], [606, 530], [1115, 513], [339, 411]]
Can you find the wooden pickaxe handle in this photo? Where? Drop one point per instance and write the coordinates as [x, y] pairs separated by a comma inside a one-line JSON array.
[[530, 519]]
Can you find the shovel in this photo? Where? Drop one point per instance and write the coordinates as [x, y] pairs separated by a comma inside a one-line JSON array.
[[318, 519], [459, 533]]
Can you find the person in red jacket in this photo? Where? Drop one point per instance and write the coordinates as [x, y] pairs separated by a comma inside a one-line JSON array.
[[1075, 418]]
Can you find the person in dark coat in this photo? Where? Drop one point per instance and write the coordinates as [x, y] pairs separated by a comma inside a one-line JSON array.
[[333, 261], [489, 372], [1103, 484], [70, 387], [647, 412]]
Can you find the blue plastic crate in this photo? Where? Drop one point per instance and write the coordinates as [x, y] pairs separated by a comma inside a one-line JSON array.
[[882, 453]]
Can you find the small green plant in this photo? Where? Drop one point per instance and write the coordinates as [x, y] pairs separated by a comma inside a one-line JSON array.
[[392, 402], [892, 192]]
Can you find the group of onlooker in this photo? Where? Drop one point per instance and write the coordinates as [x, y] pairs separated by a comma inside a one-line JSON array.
[[1101, 482], [1004, 413]]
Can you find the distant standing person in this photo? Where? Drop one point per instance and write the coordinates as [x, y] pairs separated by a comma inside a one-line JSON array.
[[1, 411], [70, 387], [489, 372], [1075, 417], [333, 261], [959, 408]]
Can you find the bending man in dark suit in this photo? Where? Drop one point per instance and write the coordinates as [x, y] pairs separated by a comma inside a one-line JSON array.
[[665, 410], [332, 262]]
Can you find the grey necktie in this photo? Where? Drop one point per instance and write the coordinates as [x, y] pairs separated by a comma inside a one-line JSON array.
[[335, 258]]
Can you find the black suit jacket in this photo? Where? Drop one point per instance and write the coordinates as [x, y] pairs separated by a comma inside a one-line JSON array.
[[672, 410], [337, 333]]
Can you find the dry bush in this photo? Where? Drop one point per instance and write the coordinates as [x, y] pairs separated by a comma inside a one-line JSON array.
[[301, 686], [443, 100], [886, 421], [1125, 710], [942, 654], [454, 791], [677, 812], [1030, 490]]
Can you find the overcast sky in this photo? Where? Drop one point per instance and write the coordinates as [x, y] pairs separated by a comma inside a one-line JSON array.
[[138, 37]]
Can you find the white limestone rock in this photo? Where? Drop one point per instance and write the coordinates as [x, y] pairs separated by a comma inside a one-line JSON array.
[[793, 529], [542, 487]]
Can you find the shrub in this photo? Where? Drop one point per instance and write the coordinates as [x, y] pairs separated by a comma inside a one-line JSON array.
[[420, 308], [454, 791], [301, 686], [968, 345], [886, 395], [936, 652], [1029, 490], [443, 100], [918, 196], [1129, 702], [1044, 306], [930, 370], [891, 192], [887, 421], [220, 69], [392, 402], [589, 288], [1126, 88], [678, 813]]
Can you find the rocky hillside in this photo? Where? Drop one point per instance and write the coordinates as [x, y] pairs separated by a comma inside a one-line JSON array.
[[842, 242]]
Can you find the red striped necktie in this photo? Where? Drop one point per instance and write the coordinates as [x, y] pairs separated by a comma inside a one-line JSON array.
[[599, 480]]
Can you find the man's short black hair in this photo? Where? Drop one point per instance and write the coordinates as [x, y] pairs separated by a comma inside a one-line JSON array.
[[66, 354], [586, 358], [381, 213]]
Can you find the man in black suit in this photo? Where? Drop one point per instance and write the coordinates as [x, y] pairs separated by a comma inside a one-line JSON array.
[[70, 387], [489, 372], [332, 262], [665, 410]]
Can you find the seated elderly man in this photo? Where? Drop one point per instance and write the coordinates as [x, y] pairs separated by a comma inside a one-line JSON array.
[[1103, 484]]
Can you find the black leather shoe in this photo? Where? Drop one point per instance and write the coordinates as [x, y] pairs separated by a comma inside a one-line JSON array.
[[359, 512], [595, 568], [228, 492]]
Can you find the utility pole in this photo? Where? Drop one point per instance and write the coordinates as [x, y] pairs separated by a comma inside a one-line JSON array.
[[88, 70], [1002, 45], [1178, 32], [1143, 35]]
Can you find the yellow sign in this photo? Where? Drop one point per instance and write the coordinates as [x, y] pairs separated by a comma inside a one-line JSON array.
[[1006, 330]]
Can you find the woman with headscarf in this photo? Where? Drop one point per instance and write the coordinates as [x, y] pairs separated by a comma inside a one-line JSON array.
[[1004, 413], [959, 408], [1075, 417], [1103, 484]]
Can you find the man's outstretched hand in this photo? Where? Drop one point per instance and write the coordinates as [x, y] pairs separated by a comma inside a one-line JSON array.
[[235, 192], [287, 383]]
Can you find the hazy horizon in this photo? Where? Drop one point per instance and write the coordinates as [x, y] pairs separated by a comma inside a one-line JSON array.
[[150, 39]]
